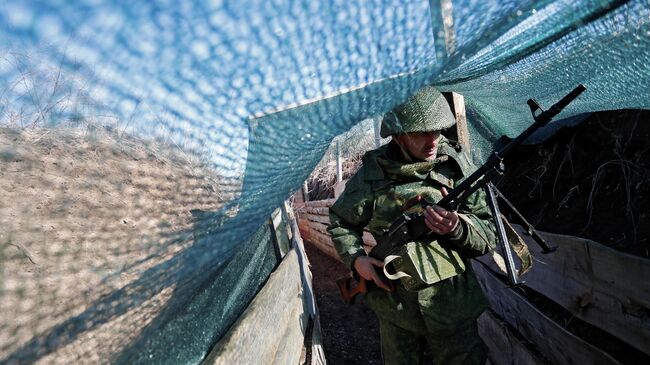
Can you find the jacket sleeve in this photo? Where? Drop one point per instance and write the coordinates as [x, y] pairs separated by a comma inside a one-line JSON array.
[[475, 234], [348, 217]]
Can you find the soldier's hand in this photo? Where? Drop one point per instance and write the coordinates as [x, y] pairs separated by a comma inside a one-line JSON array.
[[365, 266], [440, 220]]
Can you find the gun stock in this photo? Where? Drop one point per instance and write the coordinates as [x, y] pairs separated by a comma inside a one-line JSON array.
[[349, 291]]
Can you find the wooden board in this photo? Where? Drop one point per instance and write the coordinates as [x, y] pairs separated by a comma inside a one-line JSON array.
[[290, 341], [557, 344], [257, 337], [318, 349], [316, 344], [324, 243], [604, 287], [320, 203], [320, 227], [339, 188], [324, 211], [317, 218], [316, 233], [504, 347]]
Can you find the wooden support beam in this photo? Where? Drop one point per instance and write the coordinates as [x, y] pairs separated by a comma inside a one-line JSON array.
[[269, 330], [444, 39], [442, 24], [459, 132], [376, 123], [305, 191], [557, 344], [339, 163], [601, 286], [503, 345]]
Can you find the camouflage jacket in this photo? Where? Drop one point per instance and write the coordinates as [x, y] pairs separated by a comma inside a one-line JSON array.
[[374, 196]]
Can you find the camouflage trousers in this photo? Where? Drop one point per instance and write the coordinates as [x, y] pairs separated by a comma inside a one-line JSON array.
[[400, 346], [442, 317]]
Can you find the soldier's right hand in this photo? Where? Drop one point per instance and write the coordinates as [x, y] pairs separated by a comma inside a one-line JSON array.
[[365, 266]]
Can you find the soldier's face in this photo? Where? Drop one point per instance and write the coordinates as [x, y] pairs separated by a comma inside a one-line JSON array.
[[421, 146]]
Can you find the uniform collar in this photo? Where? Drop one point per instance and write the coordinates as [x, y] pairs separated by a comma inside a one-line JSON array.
[[389, 157]]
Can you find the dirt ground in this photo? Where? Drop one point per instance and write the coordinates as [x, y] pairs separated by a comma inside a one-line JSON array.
[[82, 214], [350, 332]]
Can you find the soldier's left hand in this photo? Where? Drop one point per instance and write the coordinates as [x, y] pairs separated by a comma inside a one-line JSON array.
[[440, 220]]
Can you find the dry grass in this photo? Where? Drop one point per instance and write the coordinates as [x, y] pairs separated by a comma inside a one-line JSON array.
[[323, 178], [352, 146], [82, 214]]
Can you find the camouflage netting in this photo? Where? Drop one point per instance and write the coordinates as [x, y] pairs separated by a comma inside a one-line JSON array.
[[143, 145]]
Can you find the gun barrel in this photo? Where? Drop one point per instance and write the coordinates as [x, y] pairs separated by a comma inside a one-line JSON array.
[[569, 98], [542, 119], [495, 159]]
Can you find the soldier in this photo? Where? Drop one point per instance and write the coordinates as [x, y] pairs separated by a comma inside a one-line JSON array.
[[439, 307]]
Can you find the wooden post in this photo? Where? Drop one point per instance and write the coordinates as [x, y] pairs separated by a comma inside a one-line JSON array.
[[377, 126], [305, 191], [457, 104], [339, 164], [444, 37], [442, 24]]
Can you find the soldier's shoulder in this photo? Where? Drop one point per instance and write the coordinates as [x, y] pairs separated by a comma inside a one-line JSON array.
[[457, 153]]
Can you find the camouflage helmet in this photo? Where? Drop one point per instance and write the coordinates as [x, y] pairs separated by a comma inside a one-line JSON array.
[[425, 111]]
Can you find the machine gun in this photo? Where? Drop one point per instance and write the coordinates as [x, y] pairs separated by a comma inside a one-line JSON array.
[[411, 227]]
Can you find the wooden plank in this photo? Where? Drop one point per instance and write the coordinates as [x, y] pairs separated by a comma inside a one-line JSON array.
[[549, 338], [272, 328], [442, 24], [368, 239], [298, 198], [303, 227], [339, 187], [313, 228], [317, 218], [462, 133], [291, 340], [459, 132], [604, 287], [324, 211], [305, 192], [320, 203], [318, 350], [323, 243], [253, 339], [503, 346], [320, 227], [281, 238]]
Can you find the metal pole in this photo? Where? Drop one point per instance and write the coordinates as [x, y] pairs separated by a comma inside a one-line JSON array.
[[513, 278], [530, 230]]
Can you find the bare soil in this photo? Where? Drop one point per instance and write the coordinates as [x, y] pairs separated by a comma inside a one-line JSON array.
[[350, 332]]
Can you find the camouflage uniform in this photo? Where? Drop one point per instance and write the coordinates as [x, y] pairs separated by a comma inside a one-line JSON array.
[[442, 315]]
